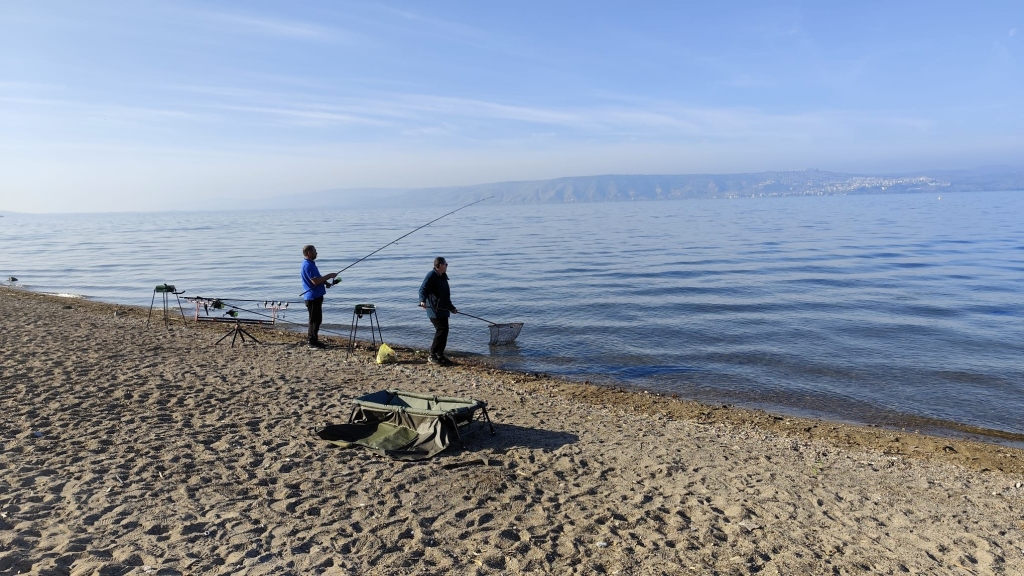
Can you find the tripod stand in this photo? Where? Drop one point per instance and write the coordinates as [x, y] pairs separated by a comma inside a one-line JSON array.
[[237, 331]]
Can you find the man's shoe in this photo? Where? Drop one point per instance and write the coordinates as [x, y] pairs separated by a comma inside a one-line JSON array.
[[317, 344], [435, 360], [445, 361]]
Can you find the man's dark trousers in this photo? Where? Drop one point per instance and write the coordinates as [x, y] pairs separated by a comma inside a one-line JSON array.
[[316, 318], [440, 341]]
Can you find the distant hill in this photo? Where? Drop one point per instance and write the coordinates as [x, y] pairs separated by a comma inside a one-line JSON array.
[[622, 188]]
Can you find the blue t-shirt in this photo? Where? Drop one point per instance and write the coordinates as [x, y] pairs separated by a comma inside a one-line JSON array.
[[309, 271]]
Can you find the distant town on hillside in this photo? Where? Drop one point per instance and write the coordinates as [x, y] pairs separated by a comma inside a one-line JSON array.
[[626, 188]]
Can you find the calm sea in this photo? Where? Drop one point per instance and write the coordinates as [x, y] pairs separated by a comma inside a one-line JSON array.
[[899, 310]]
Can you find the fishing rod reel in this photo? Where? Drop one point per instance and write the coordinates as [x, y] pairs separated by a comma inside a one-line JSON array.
[[206, 303]]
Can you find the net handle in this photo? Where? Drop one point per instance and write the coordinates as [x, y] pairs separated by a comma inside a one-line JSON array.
[[470, 315]]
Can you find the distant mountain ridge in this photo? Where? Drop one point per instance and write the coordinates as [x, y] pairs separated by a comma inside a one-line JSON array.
[[622, 187]]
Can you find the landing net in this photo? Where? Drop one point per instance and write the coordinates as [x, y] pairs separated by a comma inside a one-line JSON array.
[[503, 334]]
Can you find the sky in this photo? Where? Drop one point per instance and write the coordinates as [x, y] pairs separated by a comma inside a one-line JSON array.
[[142, 105]]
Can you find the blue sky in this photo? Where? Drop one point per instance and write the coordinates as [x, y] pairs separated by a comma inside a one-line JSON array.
[[143, 105]]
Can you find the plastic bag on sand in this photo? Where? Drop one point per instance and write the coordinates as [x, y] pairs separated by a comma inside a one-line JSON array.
[[385, 355]]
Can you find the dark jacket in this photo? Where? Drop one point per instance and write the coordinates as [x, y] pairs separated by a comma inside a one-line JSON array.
[[434, 292]]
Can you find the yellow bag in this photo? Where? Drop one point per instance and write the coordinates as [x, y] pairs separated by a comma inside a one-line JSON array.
[[385, 355]]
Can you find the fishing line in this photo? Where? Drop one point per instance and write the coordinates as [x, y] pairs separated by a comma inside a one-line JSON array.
[[240, 309], [402, 236], [276, 320], [264, 300]]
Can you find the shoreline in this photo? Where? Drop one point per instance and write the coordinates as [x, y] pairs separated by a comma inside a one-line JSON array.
[[910, 425], [980, 449], [128, 449]]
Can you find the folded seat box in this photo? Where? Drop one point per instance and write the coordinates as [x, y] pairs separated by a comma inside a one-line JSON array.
[[408, 425]]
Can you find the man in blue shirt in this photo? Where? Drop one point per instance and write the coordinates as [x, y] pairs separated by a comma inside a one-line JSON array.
[[316, 288]]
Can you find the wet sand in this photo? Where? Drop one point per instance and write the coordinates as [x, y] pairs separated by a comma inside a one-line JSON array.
[[127, 449]]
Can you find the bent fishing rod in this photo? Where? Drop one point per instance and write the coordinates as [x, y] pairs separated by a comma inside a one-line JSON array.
[[399, 238]]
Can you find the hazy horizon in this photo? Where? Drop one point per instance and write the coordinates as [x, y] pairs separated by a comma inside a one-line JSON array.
[[639, 186], [119, 106]]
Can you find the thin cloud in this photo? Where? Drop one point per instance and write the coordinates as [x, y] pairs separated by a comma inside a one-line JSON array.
[[481, 108], [450, 30], [310, 116], [388, 116], [35, 86], [413, 107], [112, 111], [465, 34], [270, 27]]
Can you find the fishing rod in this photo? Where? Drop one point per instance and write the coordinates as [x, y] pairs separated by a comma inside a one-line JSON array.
[[264, 300], [336, 281], [237, 309]]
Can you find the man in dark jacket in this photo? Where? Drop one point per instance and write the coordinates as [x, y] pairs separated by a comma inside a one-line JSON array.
[[436, 297]]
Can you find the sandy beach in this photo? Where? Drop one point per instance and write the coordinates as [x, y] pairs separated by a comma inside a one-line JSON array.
[[128, 449]]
